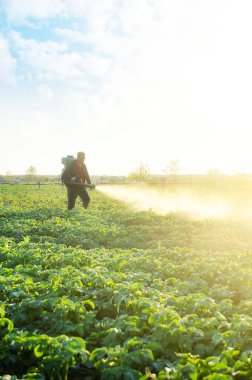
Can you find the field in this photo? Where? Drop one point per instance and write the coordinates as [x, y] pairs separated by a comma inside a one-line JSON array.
[[115, 293]]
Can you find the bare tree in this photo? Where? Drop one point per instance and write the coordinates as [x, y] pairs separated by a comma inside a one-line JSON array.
[[172, 169], [8, 176], [31, 173], [141, 173]]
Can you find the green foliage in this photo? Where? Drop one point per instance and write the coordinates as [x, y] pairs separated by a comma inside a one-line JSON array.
[[114, 294]]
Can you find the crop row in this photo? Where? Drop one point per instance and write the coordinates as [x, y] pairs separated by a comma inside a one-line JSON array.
[[116, 302]]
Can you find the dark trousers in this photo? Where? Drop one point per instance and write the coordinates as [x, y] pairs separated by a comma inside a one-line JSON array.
[[73, 192]]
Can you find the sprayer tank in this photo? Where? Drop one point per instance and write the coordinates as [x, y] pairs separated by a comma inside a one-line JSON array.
[[66, 160]]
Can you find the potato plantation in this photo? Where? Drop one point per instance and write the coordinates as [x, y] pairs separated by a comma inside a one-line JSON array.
[[111, 293]]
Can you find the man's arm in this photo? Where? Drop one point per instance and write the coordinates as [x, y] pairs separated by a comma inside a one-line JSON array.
[[86, 175]]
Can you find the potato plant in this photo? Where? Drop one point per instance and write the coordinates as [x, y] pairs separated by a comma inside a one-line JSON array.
[[111, 293]]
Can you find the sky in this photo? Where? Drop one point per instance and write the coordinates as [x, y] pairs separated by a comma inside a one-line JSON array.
[[128, 82]]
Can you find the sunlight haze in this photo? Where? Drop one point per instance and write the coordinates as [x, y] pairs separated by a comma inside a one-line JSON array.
[[127, 82]]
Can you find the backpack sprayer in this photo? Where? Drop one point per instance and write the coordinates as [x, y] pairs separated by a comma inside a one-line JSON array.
[[66, 161]]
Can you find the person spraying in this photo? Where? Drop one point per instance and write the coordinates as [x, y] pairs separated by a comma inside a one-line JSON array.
[[76, 178]]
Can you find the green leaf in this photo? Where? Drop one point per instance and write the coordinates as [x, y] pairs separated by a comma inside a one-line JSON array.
[[89, 303], [217, 338], [38, 352], [6, 322]]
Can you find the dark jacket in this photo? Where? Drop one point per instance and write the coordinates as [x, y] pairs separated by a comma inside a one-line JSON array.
[[71, 171]]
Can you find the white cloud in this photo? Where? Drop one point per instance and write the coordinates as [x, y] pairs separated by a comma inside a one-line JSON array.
[[136, 16], [45, 92], [18, 11], [73, 36], [50, 47], [98, 14], [95, 13], [7, 63], [45, 59], [54, 61]]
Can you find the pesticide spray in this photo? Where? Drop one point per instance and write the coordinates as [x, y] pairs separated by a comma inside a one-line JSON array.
[[164, 200], [197, 203]]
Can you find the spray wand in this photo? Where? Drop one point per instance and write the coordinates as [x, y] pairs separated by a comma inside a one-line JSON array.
[[90, 186]]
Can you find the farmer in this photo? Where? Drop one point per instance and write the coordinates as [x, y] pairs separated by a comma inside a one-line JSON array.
[[73, 176]]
